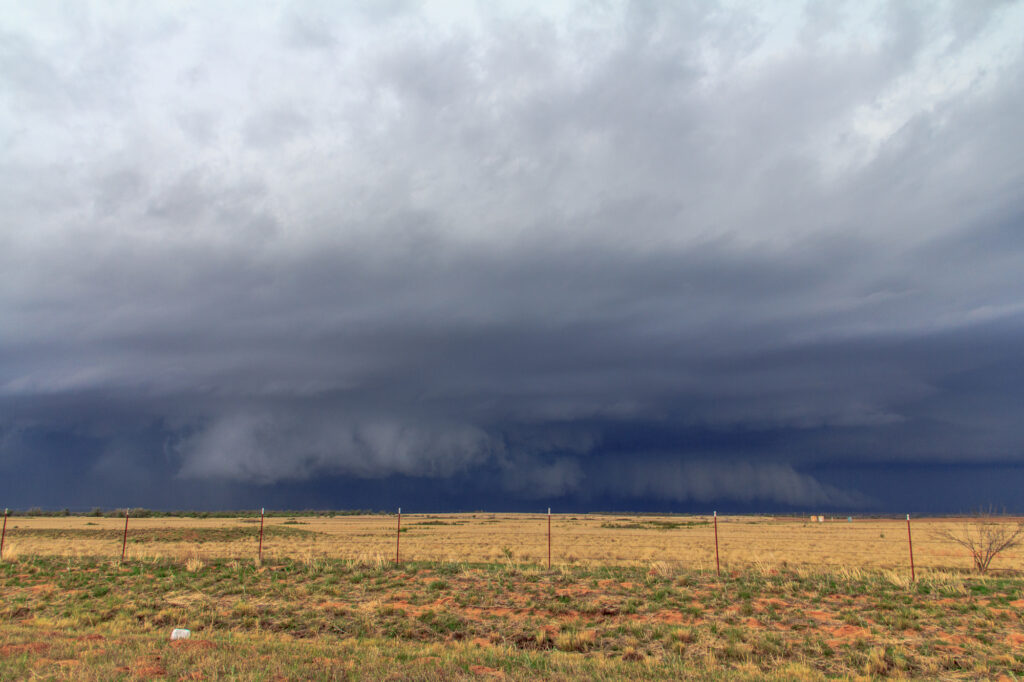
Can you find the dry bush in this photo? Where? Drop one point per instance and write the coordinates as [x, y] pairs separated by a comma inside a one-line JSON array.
[[985, 537]]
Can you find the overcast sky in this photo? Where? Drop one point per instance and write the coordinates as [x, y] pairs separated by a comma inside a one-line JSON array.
[[645, 255]]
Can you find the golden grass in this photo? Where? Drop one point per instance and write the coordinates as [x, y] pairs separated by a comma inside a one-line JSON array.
[[519, 540], [194, 564]]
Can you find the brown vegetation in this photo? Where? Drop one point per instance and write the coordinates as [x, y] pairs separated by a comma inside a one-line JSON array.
[[985, 537], [521, 539], [334, 619]]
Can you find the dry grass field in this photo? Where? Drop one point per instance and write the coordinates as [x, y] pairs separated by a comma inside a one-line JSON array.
[[595, 539], [627, 597]]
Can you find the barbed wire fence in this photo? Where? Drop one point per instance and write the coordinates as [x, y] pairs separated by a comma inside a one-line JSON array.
[[559, 540]]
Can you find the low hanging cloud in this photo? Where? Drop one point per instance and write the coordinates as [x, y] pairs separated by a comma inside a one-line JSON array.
[[268, 447], [740, 481], [680, 479], [696, 252]]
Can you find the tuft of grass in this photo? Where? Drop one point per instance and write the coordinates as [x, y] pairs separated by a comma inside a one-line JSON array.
[[194, 564], [582, 640]]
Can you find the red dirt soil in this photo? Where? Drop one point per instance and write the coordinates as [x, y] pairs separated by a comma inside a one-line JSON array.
[[19, 649]]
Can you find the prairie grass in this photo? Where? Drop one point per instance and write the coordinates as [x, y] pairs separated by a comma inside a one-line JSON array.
[[519, 540], [316, 617], [473, 597]]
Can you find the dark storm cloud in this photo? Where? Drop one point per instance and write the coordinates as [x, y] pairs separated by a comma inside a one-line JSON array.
[[627, 252]]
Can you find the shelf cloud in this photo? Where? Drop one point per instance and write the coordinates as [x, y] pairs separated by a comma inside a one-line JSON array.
[[617, 254]]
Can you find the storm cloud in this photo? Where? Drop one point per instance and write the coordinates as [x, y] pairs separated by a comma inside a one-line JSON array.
[[610, 254]]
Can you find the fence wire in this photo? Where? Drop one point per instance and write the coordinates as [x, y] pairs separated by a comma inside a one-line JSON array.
[[574, 539]]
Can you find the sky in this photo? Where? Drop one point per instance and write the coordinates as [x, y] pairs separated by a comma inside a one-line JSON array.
[[505, 256]]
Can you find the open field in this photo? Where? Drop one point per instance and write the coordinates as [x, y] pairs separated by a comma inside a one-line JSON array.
[[96, 619], [627, 598], [684, 541]]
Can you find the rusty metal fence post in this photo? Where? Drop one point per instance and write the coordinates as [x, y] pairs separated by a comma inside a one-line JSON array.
[[124, 541], [718, 566], [398, 538], [549, 538], [263, 512], [910, 545], [3, 535]]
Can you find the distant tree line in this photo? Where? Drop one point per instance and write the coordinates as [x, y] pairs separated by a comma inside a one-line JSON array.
[[143, 513]]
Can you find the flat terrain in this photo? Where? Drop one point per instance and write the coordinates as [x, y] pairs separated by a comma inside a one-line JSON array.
[[334, 619], [623, 600], [685, 541]]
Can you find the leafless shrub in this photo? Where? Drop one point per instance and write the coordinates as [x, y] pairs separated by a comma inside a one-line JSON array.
[[985, 537]]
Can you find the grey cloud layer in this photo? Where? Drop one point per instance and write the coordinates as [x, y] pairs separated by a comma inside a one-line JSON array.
[[307, 240]]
